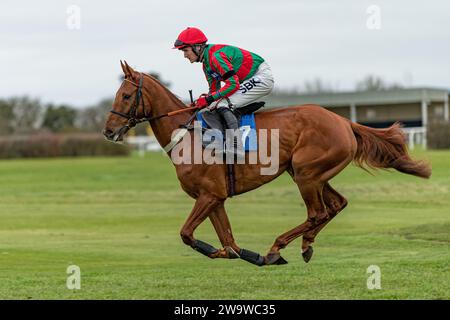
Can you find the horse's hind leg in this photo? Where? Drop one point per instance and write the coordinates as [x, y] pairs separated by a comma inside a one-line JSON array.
[[311, 171], [311, 191], [335, 203]]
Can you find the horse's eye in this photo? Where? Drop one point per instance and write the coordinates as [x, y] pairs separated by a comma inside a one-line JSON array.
[[126, 96]]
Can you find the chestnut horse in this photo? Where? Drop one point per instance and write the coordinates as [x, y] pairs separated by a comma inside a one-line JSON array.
[[314, 146]]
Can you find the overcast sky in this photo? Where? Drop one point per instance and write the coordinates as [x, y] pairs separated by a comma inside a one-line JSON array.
[[44, 55]]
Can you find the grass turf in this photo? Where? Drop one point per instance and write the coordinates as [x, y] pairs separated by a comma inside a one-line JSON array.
[[118, 219]]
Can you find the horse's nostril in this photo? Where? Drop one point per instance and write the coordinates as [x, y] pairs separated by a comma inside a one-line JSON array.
[[107, 133]]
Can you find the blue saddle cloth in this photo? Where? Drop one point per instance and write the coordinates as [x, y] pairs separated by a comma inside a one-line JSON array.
[[247, 126]]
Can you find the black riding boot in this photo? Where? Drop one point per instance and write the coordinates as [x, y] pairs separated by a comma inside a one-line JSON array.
[[232, 123]]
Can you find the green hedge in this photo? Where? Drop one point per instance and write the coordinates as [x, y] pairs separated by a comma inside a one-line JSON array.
[[438, 135], [56, 145]]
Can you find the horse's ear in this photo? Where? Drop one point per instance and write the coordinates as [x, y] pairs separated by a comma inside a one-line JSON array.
[[129, 69], [123, 68]]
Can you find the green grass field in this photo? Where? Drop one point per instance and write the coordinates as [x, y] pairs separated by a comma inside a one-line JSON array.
[[118, 219]]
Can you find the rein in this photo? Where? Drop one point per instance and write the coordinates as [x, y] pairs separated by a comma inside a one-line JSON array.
[[132, 115]]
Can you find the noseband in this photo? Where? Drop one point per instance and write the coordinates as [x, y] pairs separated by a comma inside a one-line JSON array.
[[132, 117]]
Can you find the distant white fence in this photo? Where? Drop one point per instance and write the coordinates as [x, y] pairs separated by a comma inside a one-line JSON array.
[[416, 136], [144, 144]]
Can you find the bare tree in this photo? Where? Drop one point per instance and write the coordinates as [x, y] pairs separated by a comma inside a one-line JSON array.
[[93, 118], [6, 117], [375, 83], [27, 114], [317, 85]]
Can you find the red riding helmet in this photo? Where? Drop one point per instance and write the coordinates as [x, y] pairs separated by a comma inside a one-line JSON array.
[[188, 37]]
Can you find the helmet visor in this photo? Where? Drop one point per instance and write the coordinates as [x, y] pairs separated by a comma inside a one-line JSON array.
[[179, 44]]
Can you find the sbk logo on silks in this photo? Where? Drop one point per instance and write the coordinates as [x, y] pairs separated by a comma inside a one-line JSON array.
[[249, 85]]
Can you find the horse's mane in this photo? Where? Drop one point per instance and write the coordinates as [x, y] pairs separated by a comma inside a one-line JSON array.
[[171, 95]]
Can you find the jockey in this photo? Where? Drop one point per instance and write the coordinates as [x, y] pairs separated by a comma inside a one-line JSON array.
[[236, 77]]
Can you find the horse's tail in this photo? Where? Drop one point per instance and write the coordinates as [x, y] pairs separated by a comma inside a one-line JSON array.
[[386, 148]]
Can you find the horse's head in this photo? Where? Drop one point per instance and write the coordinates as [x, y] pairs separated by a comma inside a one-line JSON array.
[[128, 107]]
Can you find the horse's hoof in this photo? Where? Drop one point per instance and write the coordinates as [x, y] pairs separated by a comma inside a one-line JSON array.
[[275, 259], [231, 253], [307, 254]]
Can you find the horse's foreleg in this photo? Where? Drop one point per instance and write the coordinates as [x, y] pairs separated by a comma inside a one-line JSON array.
[[230, 249], [202, 208], [219, 220]]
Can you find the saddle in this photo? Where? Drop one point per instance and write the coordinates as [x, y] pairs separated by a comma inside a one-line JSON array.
[[214, 121]]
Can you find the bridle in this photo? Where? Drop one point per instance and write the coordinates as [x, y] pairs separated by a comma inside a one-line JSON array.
[[132, 115]]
